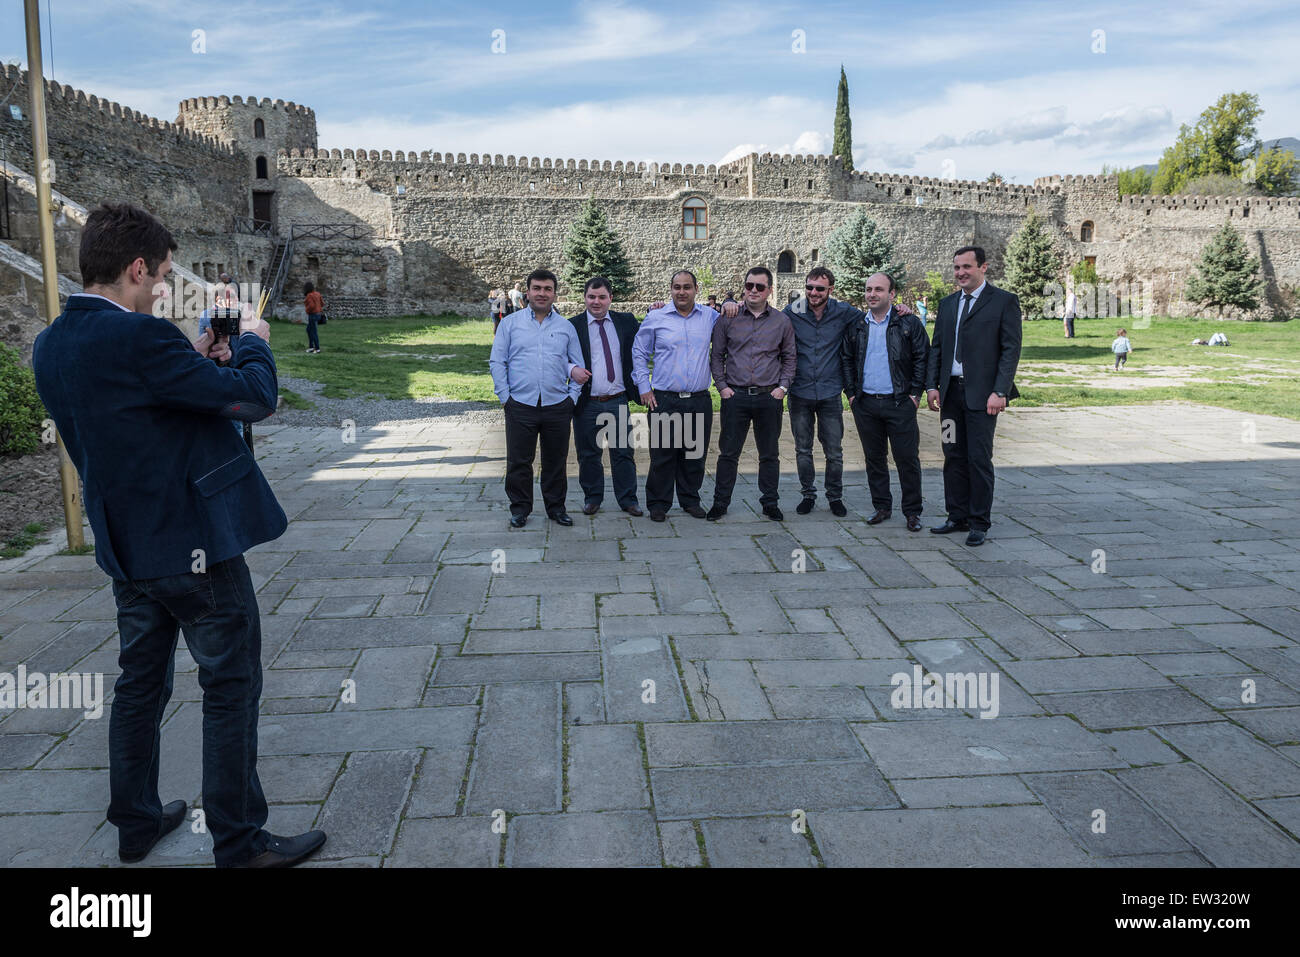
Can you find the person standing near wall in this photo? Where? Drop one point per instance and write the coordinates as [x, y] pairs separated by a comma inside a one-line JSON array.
[[314, 306]]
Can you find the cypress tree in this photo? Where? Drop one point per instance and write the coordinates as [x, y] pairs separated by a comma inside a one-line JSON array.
[[843, 125], [1227, 274], [593, 249]]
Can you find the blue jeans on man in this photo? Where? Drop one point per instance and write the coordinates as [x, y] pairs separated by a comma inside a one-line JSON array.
[[829, 414], [313, 338], [587, 422], [217, 611]]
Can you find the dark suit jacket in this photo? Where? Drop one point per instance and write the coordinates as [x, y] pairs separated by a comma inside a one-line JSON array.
[[625, 326], [990, 346], [146, 421]]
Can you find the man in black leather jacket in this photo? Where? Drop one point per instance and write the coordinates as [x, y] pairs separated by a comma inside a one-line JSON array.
[[883, 361]]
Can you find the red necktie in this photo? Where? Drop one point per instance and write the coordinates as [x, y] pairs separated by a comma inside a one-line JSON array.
[[609, 356]]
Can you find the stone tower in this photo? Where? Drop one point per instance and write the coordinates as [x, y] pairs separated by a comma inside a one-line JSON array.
[[257, 128]]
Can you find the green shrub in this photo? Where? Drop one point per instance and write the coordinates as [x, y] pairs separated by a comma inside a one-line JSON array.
[[21, 411]]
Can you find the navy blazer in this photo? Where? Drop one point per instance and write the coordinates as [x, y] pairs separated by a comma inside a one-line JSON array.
[[146, 421], [625, 326], [990, 347]]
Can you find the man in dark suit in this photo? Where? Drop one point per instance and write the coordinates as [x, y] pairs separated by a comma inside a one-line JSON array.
[[601, 412], [970, 379], [174, 498]]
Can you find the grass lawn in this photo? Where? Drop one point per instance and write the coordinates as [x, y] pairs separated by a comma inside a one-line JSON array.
[[447, 356]]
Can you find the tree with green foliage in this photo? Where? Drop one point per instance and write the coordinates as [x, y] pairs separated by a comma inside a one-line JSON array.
[[1031, 264], [21, 411], [1224, 141], [857, 250], [843, 146], [593, 249], [1227, 275], [1084, 272], [935, 288], [1132, 182], [1276, 172]]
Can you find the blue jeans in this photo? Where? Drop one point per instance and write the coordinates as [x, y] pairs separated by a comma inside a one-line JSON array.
[[218, 613], [830, 432], [313, 340]]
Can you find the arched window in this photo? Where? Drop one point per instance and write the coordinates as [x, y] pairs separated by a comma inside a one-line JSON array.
[[1085, 232], [259, 128], [785, 262], [261, 167], [695, 219]]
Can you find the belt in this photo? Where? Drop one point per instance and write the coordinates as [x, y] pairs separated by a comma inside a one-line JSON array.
[[683, 395], [607, 398], [754, 389], [879, 395]]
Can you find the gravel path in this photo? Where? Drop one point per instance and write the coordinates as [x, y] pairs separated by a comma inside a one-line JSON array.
[[373, 410]]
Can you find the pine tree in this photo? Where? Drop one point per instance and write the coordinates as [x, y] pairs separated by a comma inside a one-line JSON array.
[[1227, 274], [843, 125], [1031, 264], [858, 249], [593, 249]]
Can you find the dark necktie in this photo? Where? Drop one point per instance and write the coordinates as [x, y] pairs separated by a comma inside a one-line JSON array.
[[965, 311], [609, 356]]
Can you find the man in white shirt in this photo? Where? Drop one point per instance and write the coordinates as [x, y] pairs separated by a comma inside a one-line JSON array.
[[602, 411]]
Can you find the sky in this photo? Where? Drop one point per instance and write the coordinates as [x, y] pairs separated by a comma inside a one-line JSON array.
[[957, 90]]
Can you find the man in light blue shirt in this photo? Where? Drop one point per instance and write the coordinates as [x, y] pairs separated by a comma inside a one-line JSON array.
[[680, 420], [537, 373]]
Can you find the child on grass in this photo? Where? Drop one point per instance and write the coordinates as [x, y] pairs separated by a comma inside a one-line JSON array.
[[1121, 347]]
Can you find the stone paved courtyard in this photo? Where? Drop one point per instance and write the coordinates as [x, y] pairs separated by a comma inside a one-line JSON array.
[[1162, 690]]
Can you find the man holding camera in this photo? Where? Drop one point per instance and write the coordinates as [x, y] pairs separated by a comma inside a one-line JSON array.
[[174, 499]]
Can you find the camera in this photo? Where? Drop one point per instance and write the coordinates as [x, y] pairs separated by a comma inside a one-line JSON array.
[[225, 323]]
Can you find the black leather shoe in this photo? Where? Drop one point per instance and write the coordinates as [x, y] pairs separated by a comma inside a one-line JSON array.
[[880, 515], [633, 510], [658, 516], [694, 511], [518, 521], [948, 527], [590, 509], [172, 815], [914, 523], [287, 851], [838, 509], [806, 506], [976, 537], [774, 513], [561, 518], [716, 513]]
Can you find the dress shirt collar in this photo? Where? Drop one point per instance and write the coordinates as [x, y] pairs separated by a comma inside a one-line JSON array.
[[591, 318], [767, 311], [976, 294], [95, 295]]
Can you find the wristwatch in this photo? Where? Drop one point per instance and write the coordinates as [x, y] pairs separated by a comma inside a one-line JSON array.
[[1000, 395]]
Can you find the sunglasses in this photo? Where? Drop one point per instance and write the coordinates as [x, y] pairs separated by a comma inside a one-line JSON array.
[[811, 288], [755, 286]]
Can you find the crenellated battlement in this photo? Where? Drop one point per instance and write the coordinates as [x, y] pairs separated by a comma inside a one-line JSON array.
[[498, 161], [1191, 201], [196, 103], [62, 94]]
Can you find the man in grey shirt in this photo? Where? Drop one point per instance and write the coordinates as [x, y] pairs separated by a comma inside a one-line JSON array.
[[753, 364]]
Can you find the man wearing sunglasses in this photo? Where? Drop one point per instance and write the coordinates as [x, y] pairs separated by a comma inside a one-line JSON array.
[[753, 364], [819, 323]]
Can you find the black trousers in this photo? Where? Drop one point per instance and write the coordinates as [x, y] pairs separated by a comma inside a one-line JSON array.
[[738, 412], [587, 428], [968, 458], [891, 419], [525, 424], [673, 460]]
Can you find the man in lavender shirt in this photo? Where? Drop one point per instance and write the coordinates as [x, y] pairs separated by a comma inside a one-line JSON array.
[[681, 412]]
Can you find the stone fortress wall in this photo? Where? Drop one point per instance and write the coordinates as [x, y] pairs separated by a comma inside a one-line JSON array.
[[442, 229]]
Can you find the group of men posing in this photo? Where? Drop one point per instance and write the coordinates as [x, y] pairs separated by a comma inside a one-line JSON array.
[[553, 373]]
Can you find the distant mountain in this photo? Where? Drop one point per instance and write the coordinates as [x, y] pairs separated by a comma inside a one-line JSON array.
[[1286, 143]]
